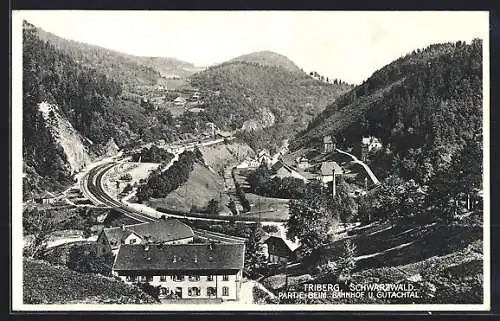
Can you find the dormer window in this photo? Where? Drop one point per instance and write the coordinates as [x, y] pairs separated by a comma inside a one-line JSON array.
[[178, 278]]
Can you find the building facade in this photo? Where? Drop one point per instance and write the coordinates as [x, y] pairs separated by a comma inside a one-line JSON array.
[[186, 271], [328, 144]]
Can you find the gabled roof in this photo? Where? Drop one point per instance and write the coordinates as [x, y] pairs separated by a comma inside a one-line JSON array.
[[191, 257], [327, 168], [276, 166], [307, 175], [159, 231], [127, 234], [280, 242], [263, 152]]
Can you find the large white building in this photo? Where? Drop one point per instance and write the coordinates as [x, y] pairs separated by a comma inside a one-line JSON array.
[[186, 271]]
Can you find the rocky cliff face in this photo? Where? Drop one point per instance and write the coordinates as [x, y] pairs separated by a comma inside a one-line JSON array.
[[111, 148], [74, 145], [267, 119]]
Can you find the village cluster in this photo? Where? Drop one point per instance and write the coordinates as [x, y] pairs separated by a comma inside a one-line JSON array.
[[320, 167]]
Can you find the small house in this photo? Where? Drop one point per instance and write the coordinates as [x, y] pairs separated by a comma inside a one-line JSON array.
[[253, 163], [303, 163], [279, 250], [264, 157], [282, 170], [243, 166], [328, 144], [180, 101], [372, 143], [327, 171], [46, 198]]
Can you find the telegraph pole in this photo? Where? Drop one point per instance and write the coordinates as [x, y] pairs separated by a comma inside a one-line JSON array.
[[333, 183]]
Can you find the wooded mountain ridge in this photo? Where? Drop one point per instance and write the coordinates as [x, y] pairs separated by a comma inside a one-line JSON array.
[[130, 70], [268, 58], [423, 107], [250, 90]]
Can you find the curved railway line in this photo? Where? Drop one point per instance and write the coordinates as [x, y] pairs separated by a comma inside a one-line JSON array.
[[91, 185]]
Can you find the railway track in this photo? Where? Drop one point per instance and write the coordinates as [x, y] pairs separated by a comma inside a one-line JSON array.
[[93, 185]]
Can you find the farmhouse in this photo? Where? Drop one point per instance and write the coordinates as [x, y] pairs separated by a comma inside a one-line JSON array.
[[282, 170], [279, 250], [180, 101], [327, 169], [303, 162], [371, 143], [166, 231], [264, 157], [46, 198], [188, 271], [328, 144]]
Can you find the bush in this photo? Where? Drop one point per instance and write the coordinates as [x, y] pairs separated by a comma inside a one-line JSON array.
[[83, 258], [126, 177], [127, 189], [270, 228], [153, 291], [232, 206], [159, 184], [213, 207], [261, 297]]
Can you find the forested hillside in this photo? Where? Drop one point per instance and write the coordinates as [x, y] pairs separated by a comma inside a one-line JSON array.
[[131, 71], [88, 99], [424, 107], [251, 92], [269, 58]]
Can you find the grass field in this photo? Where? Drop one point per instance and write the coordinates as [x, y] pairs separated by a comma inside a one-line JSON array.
[[44, 283], [202, 185], [269, 207]]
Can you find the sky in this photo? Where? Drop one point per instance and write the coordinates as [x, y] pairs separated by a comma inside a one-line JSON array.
[[346, 45]]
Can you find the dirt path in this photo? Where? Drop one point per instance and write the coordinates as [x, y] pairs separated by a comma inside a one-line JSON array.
[[367, 168]]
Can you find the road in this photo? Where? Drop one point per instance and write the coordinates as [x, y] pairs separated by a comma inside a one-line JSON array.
[[367, 168]]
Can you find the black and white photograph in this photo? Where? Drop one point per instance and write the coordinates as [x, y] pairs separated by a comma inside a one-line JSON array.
[[250, 160]]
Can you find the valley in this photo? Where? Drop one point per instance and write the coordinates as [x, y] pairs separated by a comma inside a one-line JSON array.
[[140, 174]]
